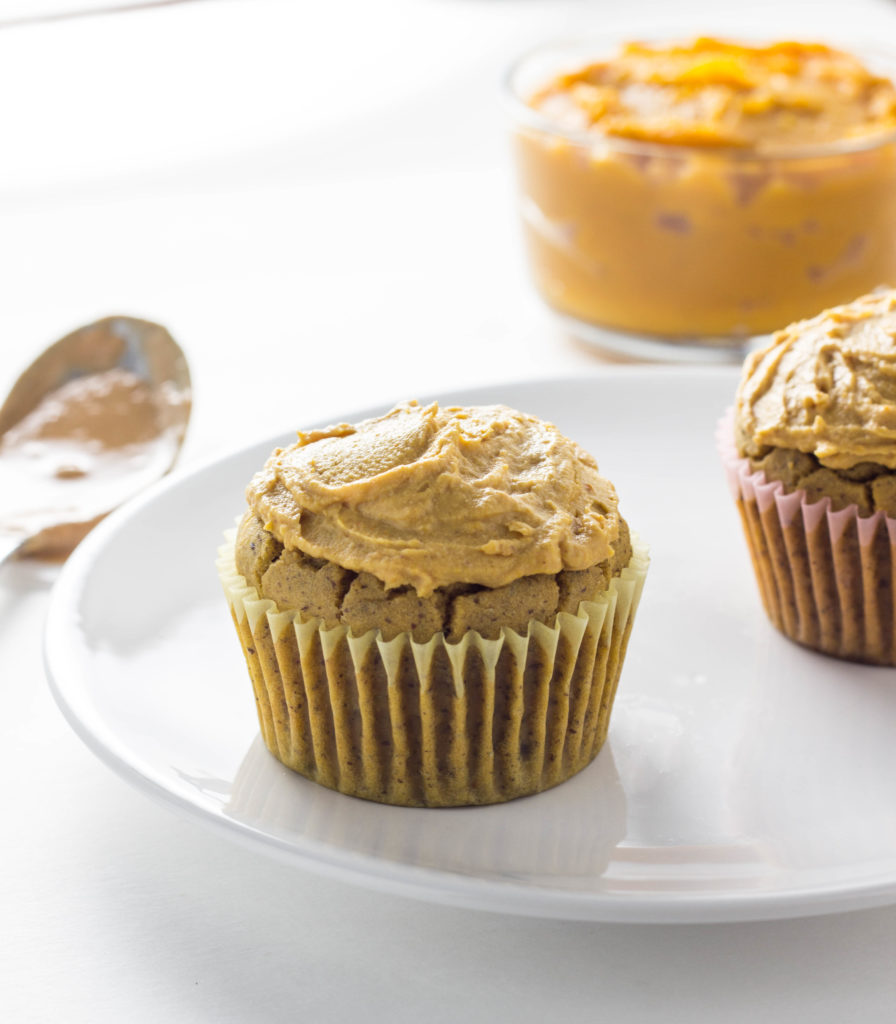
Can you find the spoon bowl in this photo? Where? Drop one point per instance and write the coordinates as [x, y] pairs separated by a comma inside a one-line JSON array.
[[98, 416]]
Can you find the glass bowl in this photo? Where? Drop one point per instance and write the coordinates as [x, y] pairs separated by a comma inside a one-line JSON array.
[[689, 252]]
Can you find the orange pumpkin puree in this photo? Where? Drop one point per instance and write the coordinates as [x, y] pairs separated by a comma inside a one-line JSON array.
[[710, 188]]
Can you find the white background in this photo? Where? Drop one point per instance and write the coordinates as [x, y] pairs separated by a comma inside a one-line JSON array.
[[315, 197]]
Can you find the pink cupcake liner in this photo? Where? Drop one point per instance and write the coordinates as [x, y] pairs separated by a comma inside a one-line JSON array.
[[825, 576]]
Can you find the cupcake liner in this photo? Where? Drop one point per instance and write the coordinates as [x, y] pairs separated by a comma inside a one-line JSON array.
[[435, 724], [825, 576]]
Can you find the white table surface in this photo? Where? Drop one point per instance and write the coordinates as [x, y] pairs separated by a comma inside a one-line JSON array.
[[316, 199]]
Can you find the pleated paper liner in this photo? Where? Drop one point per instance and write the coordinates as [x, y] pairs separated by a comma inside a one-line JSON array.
[[825, 577], [435, 724]]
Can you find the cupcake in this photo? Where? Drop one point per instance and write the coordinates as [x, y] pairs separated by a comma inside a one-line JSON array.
[[810, 452], [434, 605]]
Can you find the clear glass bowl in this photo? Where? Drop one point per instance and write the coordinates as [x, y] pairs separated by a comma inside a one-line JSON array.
[[672, 251]]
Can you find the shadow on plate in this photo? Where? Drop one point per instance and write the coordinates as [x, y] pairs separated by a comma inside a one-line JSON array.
[[569, 831]]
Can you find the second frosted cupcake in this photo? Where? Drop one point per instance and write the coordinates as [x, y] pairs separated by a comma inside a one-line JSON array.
[[811, 457], [434, 605]]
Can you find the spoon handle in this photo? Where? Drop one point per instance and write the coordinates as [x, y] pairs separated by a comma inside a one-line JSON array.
[[10, 544]]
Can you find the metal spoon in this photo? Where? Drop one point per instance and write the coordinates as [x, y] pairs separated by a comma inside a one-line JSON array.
[[97, 417]]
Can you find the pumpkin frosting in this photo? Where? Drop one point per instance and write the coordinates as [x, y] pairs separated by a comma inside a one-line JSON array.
[[713, 93], [426, 497], [826, 386]]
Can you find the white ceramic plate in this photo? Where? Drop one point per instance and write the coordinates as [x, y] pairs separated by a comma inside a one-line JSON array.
[[744, 777]]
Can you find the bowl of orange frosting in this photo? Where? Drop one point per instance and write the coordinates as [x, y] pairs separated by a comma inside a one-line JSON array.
[[679, 198]]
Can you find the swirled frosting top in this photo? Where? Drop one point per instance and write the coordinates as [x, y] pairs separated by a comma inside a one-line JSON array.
[[426, 497], [712, 93], [826, 386]]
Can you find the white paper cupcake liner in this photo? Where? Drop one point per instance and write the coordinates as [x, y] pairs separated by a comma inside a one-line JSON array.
[[435, 724]]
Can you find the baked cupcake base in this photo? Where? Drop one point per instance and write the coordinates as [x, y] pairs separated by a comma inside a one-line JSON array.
[[435, 724], [825, 577]]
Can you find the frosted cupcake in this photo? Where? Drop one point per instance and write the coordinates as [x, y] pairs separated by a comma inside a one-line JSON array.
[[434, 605], [811, 457]]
